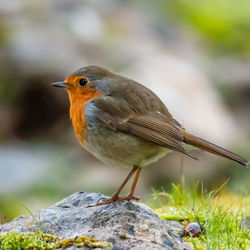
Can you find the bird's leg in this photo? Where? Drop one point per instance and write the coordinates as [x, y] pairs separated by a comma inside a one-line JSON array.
[[131, 196], [115, 196], [131, 193]]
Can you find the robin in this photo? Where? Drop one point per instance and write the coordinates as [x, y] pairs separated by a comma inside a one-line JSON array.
[[124, 124]]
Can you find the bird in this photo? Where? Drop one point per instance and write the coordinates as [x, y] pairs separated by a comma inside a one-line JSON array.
[[124, 124]]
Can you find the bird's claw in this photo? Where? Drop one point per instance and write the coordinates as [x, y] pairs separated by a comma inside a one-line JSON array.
[[107, 201]]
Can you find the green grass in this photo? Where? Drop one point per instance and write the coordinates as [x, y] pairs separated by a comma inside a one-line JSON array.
[[220, 212]]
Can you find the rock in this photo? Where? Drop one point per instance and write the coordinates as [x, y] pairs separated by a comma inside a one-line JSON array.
[[127, 225], [194, 229]]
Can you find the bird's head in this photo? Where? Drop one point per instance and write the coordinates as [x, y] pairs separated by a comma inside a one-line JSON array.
[[86, 82]]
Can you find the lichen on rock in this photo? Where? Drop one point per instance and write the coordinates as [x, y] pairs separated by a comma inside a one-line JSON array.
[[38, 241], [17, 241]]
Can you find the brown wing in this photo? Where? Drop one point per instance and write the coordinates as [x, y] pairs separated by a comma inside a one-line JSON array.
[[150, 128], [137, 111]]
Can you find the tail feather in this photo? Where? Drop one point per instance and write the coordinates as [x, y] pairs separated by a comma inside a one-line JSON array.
[[212, 148]]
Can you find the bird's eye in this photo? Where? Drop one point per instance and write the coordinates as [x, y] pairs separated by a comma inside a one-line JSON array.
[[83, 81]]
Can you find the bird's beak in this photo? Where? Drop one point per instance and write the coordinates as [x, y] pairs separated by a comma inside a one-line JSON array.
[[60, 84]]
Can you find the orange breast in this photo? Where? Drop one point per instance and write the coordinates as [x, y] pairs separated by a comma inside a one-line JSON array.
[[78, 102]]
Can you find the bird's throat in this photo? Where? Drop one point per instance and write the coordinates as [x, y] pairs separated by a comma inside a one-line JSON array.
[[77, 107]]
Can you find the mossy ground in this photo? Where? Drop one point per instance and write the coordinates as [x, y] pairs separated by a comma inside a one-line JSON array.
[[46, 241], [220, 212]]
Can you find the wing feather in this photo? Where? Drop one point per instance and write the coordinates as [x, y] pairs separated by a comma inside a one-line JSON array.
[[166, 128], [148, 129]]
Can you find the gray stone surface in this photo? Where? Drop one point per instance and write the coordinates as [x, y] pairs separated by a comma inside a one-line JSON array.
[[71, 217]]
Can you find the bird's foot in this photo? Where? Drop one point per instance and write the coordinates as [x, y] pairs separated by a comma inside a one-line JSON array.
[[114, 198]]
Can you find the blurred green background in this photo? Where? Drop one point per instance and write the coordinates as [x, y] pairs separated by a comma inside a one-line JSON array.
[[194, 54]]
